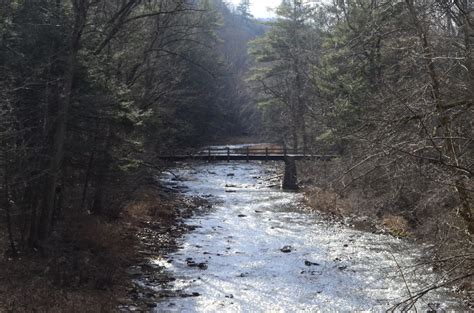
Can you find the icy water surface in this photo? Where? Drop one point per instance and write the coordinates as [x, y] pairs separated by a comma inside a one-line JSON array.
[[258, 251]]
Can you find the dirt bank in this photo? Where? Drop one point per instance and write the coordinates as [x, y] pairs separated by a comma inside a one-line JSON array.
[[158, 216]]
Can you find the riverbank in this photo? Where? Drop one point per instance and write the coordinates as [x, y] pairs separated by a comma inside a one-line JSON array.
[[415, 210], [159, 214], [91, 264]]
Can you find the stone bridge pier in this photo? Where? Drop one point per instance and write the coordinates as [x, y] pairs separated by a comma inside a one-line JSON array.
[[290, 178]]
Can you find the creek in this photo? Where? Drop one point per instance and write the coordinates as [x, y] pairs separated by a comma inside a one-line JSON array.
[[259, 250]]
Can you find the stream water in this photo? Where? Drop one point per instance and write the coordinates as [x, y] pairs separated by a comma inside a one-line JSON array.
[[258, 250]]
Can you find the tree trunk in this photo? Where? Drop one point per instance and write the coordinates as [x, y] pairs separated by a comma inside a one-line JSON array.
[[466, 211], [59, 138], [294, 133], [88, 175], [6, 196], [102, 176]]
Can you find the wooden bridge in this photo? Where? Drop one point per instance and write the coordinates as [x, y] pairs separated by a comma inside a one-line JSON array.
[[289, 156], [246, 154]]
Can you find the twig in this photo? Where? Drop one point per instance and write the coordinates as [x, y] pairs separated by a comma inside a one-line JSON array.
[[413, 299], [403, 277]]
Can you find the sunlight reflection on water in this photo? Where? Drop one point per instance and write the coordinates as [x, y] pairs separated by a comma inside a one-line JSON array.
[[330, 266]]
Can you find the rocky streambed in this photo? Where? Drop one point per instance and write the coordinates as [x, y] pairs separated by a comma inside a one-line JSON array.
[[257, 249]]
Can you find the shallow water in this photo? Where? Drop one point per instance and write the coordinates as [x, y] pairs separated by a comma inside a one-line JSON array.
[[238, 247]]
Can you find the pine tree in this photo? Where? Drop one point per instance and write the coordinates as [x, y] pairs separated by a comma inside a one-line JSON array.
[[243, 10], [282, 53]]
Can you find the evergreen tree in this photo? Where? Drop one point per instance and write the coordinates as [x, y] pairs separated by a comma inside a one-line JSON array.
[[243, 10], [281, 78]]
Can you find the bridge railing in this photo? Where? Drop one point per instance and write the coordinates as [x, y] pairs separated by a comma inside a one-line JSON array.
[[251, 151], [247, 153]]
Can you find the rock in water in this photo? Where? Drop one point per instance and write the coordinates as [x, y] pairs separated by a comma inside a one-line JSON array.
[[286, 249], [202, 266]]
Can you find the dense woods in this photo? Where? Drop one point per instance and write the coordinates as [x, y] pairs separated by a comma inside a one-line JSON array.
[[91, 91], [387, 84]]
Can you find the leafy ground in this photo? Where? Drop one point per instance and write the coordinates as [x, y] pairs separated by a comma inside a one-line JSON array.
[[86, 266]]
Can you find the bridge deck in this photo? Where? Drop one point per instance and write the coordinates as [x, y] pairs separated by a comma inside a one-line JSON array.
[[246, 154]]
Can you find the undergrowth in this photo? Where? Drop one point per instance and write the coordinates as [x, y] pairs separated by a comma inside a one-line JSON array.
[[409, 204], [82, 268]]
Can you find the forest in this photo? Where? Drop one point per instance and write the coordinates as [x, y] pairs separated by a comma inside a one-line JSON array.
[[93, 92]]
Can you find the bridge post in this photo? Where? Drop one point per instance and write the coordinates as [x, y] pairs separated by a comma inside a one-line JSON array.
[[209, 155], [266, 154], [228, 154], [290, 179]]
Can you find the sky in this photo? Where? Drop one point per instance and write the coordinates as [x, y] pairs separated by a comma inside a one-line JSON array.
[[259, 7]]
